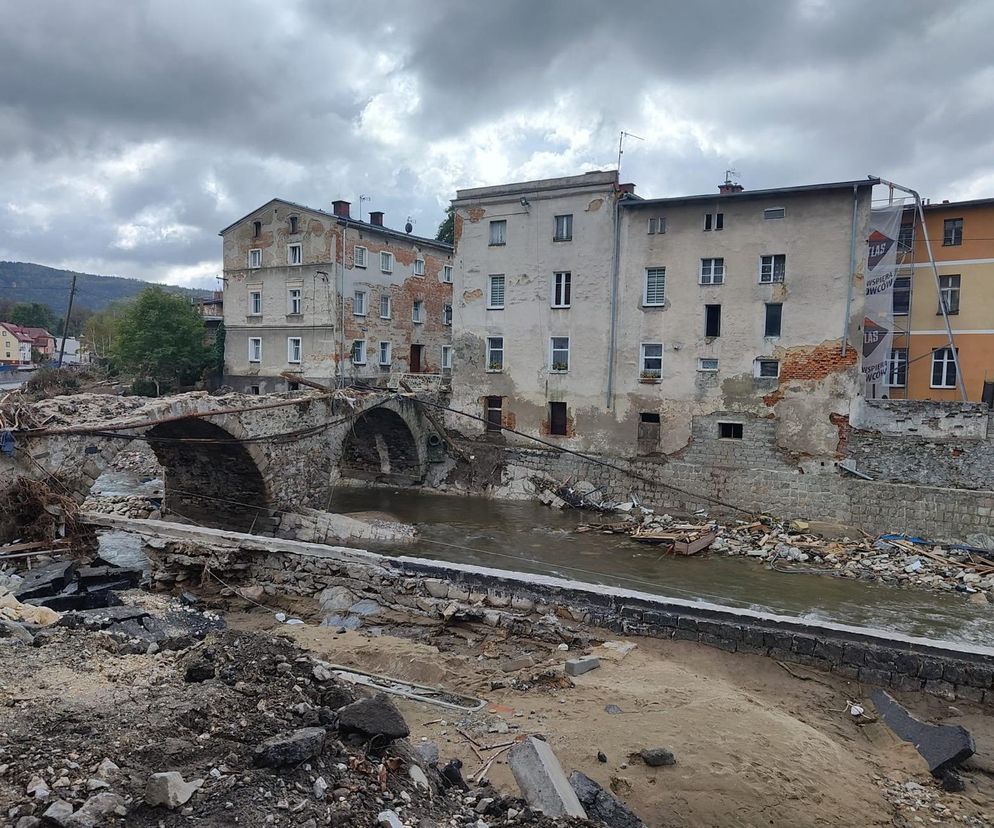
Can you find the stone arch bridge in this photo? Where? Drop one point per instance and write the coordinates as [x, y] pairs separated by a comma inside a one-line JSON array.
[[231, 461]]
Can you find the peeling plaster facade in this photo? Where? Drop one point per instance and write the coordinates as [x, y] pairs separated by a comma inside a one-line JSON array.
[[651, 393], [293, 273]]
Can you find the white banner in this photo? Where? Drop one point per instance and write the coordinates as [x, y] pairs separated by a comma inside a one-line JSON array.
[[878, 306]]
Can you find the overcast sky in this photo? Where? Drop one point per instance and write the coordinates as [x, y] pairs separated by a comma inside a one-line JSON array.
[[131, 131]]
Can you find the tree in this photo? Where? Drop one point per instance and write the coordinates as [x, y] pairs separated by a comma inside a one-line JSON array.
[[34, 315], [160, 338], [100, 331], [76, 322], [447, 229], [216, 366]]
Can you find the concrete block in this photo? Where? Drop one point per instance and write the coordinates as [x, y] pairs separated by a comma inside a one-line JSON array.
[[584, 664], [943, 747], [542, 781]]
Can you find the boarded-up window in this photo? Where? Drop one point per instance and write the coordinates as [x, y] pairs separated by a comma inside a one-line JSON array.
[[493, 413], [649, 429]]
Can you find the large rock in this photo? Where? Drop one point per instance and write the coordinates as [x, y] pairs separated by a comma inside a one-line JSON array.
[[602, 805], [944, 747], [286, 749], [657, 757], [58, 812], [96, 810], [169, 789], [373, 717], [46, 580], [541, 779], [11, 629]]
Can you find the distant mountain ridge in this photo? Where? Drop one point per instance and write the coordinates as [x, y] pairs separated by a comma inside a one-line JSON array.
[[26, 282]]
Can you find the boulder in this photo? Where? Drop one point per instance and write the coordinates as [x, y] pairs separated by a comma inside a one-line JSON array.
[[58, 812], [96, 810], [657, 757], [293, 748], [169, 789], [601, 805], [373, 717], [11, 629], [199, 671]]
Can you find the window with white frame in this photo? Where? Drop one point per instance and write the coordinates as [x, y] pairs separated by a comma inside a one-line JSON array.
[[294, 254], [564, 228], [386, 262], [359, 352], [654, 292], [359, 256], [949, 294], [498, 233], [657, 224], [495, 353], [418, 311], [386, 353], [943, 368], [447, 274], [772, 268], [767, 368], [897, 368], [952, 232], [293, 349], [495, 293], [384, 306], [255, 303], [707, 365], [359, 303], [559, 354], [419, 267], [446, 314], [712, 272], [561, 288], [651, 361], [255, 349], [714, 221], [294, 301], [446, 357], [774, 213], [255, 258]]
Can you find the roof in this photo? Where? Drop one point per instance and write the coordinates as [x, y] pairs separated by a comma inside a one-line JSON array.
[[25, 334], [746, 195], [592, 179], [352, 222], [948, 205]]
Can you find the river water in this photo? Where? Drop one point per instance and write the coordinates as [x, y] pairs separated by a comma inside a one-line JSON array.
[[529, 537]]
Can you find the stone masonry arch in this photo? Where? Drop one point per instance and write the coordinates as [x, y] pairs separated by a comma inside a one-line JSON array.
[[387, 443]]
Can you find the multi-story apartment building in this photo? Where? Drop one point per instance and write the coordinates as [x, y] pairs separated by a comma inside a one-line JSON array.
[[601, 321], [962, 241], [329, 297]]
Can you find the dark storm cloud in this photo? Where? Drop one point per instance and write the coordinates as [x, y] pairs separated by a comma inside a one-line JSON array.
[[130, 132]]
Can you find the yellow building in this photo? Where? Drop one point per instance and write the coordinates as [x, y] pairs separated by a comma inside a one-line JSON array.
[[10, 347], [962, 238]]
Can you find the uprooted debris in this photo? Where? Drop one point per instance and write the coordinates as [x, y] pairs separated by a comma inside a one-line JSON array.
[[40, 511]]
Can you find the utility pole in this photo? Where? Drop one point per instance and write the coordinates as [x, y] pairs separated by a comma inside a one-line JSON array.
[[65, 324]]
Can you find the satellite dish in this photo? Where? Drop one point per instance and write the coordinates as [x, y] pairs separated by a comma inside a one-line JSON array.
[[408, 227]]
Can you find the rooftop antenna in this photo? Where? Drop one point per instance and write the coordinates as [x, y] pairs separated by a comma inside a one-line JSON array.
[[363, 198], [621, 147], [729, 175], [409, 226]]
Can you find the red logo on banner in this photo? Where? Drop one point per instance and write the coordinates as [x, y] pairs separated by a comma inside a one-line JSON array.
[[873, 335], [879, 245]]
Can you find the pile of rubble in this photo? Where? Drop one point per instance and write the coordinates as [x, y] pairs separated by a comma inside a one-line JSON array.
[[139, 461], [63, 584], [130, 506]]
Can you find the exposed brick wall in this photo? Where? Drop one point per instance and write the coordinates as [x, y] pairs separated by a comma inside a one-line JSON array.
[[816, 363]]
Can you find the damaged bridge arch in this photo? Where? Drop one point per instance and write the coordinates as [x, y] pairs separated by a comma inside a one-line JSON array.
[[392, 442]]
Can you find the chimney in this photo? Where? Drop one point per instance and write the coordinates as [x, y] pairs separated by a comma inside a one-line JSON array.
[[730, 187], [627, 188], [376, 217], [340, 208]]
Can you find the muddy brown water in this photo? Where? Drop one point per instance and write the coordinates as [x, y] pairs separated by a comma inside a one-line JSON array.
[[529, 537]]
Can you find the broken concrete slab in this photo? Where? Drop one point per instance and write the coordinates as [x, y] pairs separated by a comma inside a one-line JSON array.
[[287, 749], [169, 789], [541, 779], [87, 575], [602, 805], [944, 747], [584, 664], [46, 580]]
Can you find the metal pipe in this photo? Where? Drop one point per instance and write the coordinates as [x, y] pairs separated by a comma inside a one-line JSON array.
[[852, 270]]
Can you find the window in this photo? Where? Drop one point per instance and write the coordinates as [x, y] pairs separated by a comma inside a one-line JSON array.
[[386, 262], [498, 233], [906, 238], [255, 389], [657, 224], [292, 221], [712, 320], [943, 368], [359, 352], [446, 357], [774, 318], [495, 353], [561, 283], [714, 221], [255, 303], [557, 418], [902, 296], [712, 271], [294, 254], [255, 349], [359, 303], [386, 353], [447, 274], [767, 368], [256, 229], [359, 256], [730, 431], [773, 268], [495, 297], [493, 413], [649, 417], [655, 287], [293, 349], [294, 301], [651, 361], [418, 311], [564, 228], [949, 294], [446, 314], [897, 368], [952, 232], [255, 258], [419, 267], [384, 306], [707, 365], [293, 386], [773, 213], [559, 354]]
